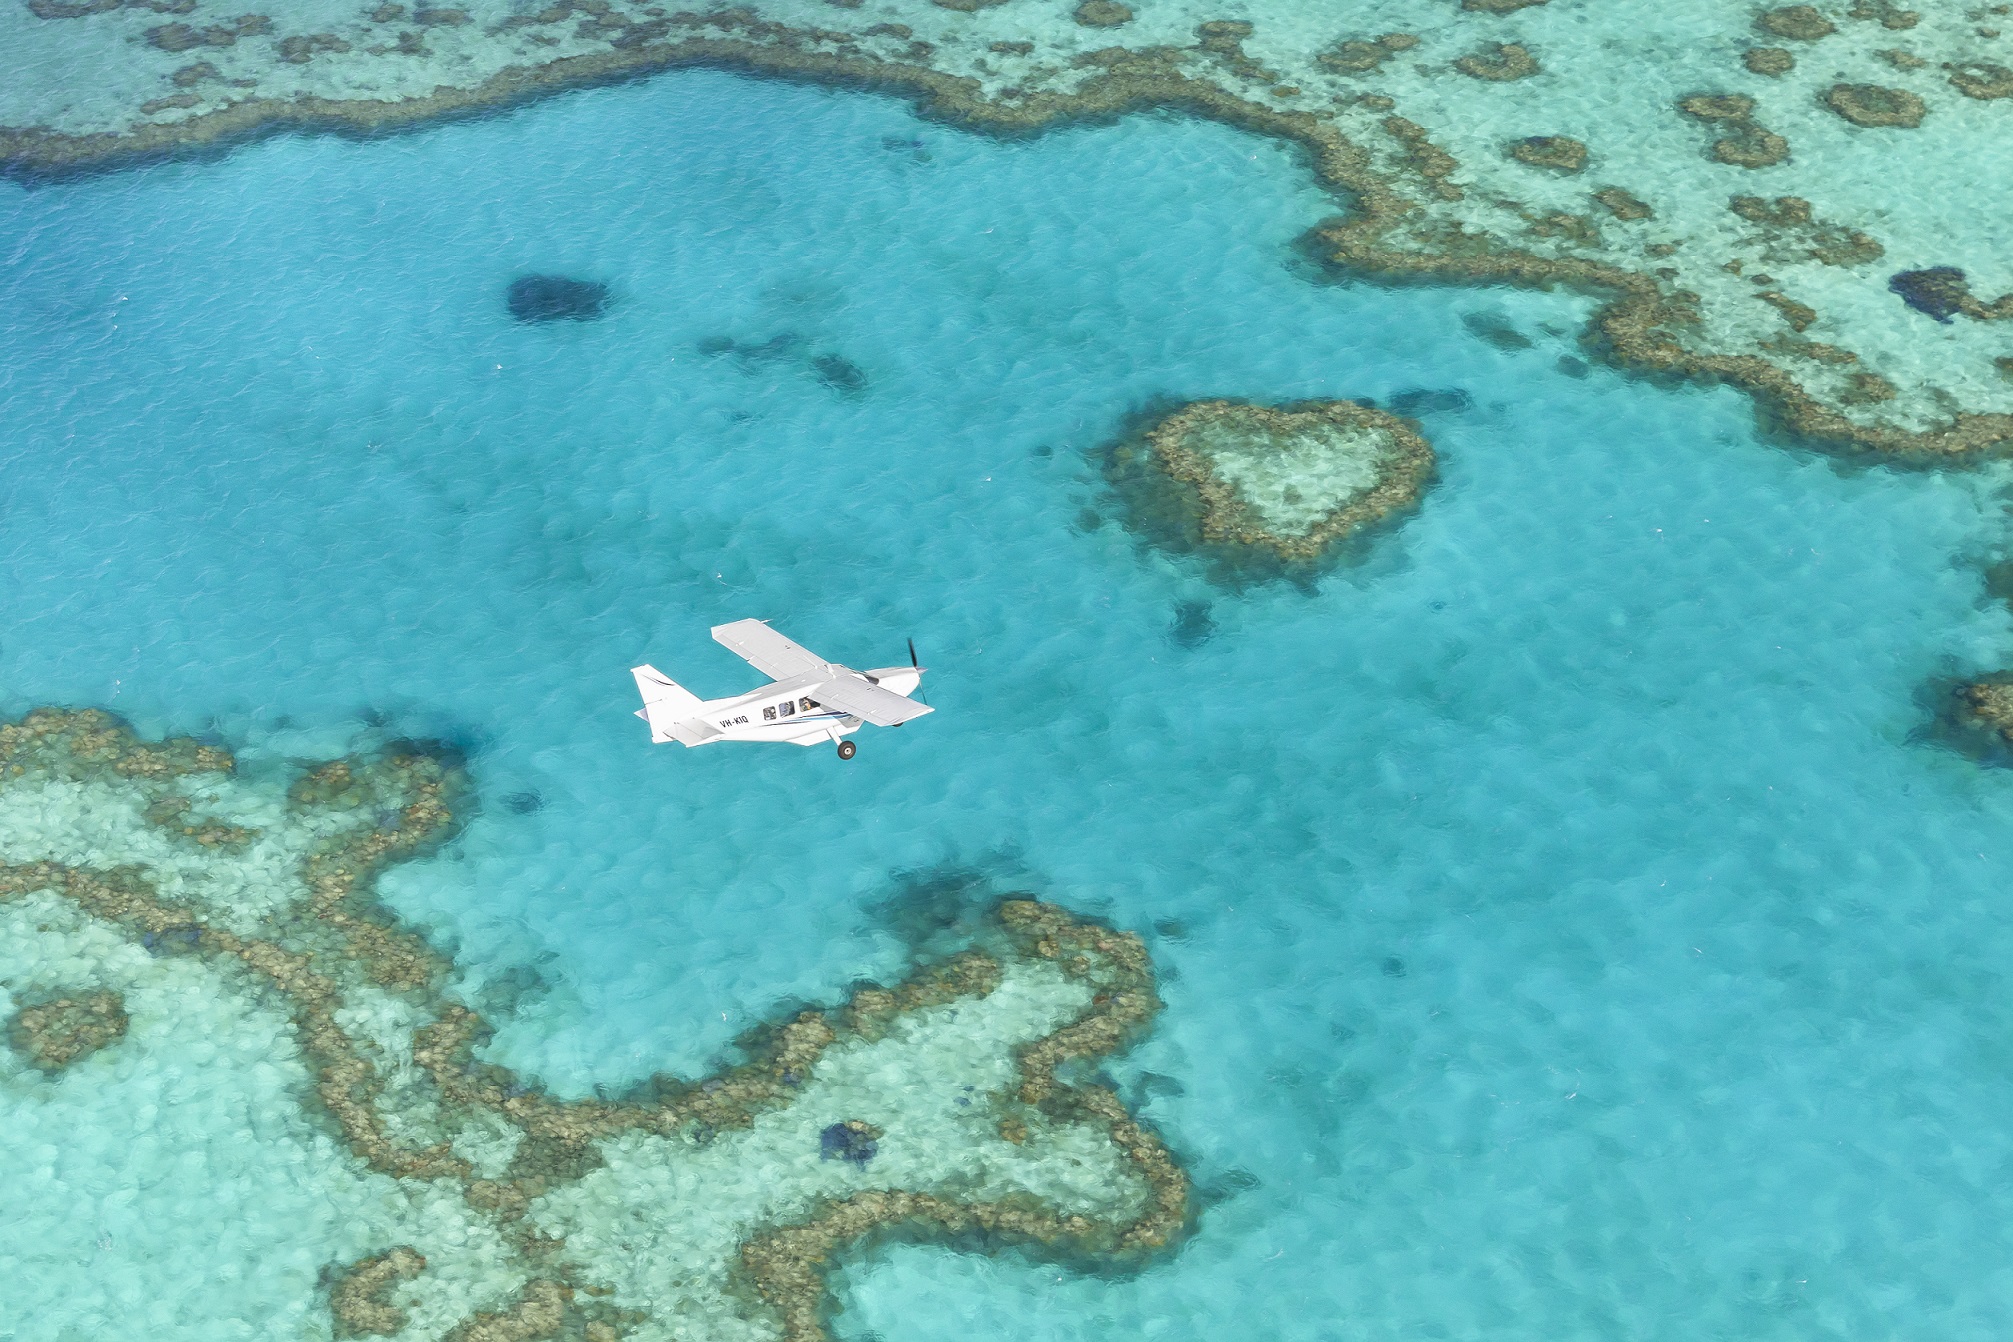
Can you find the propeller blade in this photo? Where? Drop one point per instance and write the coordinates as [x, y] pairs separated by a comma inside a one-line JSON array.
[[919, 666]]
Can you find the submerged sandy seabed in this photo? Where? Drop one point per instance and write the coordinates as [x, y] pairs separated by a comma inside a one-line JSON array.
[[1744, 183], [168, 926]]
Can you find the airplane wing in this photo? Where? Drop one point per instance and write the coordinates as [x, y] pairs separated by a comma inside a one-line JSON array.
[[867, 701], [766, 650]]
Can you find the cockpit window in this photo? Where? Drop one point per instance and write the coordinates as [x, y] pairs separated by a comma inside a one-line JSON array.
[[807, 704]]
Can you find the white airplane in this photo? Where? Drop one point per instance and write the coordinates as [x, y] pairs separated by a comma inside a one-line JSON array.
[[808, 700]]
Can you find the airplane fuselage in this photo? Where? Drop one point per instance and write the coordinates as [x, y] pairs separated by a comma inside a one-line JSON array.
[[807, 699], [786, 710]]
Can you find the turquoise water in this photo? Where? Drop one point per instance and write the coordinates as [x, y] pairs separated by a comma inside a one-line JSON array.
[[1566, 931]]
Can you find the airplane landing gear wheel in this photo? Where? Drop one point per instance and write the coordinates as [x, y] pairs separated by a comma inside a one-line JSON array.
[[848, 749]]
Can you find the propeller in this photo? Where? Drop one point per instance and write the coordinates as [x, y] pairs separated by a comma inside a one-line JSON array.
[[919, 667]]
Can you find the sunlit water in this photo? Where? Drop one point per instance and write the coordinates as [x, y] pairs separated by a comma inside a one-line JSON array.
[[1565, 929]]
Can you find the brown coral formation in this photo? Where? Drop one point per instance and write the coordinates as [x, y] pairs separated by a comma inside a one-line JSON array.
[[1798, 315], [1425, 160], [1981, 79], [1499, 62], [1102, 14], [1990, 705], [788, 1265], [1622, 205], [1745, 143], [1799, 23], [182, 37], [1872, 105], [1770, 61], [538, 1313], [1360, 56], [52, 1034], [1717, 106], [342, 942], [1559, 153], [1789, 231], [359, 1299], [1196, 445], [1884, 12]]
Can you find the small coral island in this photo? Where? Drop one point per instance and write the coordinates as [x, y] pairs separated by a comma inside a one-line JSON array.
[[145, 887], [1297, 478]]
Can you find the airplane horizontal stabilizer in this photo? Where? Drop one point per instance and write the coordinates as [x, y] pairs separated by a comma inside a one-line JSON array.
[[671, 710]]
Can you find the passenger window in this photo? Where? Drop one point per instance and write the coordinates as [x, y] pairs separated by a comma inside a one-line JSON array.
[[788, 708], [769, 713]]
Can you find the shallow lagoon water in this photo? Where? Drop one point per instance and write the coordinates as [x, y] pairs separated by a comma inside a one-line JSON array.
[[1567, 930]]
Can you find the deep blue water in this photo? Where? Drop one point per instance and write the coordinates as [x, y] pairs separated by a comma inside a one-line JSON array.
[[1567, 931]]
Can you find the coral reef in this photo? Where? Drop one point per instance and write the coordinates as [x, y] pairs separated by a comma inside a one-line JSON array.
[[1746, 143], [1294, 479], [54, 1033], [708, 1209], [1561, 153], [1500, 62], [1799, 23], [358, 1298], [1981, 79], [1990, 704], [1943, 292], [1102, 14], [1872, 105], [1770, 61], [1420, 162]]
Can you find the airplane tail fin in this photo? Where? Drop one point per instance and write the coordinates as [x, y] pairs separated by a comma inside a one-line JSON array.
[[671, 710]]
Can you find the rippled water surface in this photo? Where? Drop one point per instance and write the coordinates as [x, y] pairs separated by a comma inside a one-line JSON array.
[[1567, 927]]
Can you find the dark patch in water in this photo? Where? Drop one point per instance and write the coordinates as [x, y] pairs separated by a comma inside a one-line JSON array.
[[1938, 291], [912, 149], [523, 803], [840, 374], [1225, 1186], [1393, 967], [1193, 624], [1496, 331], [1151, 1086], [849, 1142], [1418, 401], [1171, 928], [1573, 367], [510, 990], [936, 911], [835, 371], [552, 298], [775, 347]]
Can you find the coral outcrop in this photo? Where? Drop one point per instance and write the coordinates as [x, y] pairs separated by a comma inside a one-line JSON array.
[[1294, 479], [54, 1033], [1419, 158], [708, 1209]]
